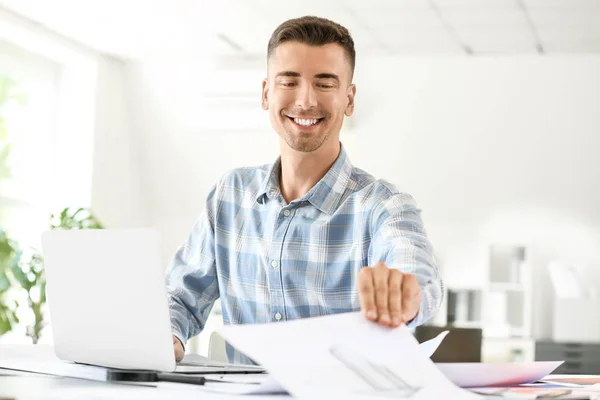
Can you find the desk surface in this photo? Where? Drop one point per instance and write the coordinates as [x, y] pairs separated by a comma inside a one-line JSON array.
[[27, 386], [39, 387]]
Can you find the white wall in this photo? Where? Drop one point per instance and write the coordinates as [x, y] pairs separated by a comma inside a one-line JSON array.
[[180, 159], [117, 188], [494, 149]]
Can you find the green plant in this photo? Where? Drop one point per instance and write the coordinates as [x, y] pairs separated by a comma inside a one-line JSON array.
[[28, 272], [9, 257], [79, 218], [27, 269]]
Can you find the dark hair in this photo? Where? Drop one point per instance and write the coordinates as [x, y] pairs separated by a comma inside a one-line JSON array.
[[314, 31]]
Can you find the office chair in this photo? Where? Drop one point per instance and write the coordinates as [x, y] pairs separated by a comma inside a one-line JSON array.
[[460, 345]]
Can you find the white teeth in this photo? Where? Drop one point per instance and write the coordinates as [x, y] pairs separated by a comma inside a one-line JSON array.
[[305, 122]]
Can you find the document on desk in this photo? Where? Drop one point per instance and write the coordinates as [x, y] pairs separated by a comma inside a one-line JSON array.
[[469, 375], [265, 384], [268, 385], [343, 356]]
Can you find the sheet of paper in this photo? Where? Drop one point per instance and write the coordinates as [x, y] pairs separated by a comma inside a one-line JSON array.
[[257, 384], [343, 356], [429, 347], [496, 374], [574, 380], [264, 384], [268, 386], [42, 359], [524, 392]]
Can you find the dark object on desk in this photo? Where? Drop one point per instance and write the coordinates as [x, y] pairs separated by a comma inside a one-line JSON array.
[[461, 344], [580, 358], [119, 375], [123, 375], [181, 378]]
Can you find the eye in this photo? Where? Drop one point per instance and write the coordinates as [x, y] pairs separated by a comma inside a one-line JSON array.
[[326, 86], [288, 84]]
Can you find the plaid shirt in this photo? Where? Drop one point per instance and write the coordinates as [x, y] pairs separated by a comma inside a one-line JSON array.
[[270, 261]]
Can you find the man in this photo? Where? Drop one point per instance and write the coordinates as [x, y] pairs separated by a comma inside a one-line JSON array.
[[310, 234]]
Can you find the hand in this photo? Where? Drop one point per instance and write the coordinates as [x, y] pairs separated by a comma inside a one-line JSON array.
[[178, 349], [388, 296]]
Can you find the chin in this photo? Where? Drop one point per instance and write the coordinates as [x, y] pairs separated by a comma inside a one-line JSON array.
[[304, 143]]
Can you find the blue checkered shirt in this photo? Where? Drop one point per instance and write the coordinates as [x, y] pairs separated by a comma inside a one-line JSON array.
[[270, 261]]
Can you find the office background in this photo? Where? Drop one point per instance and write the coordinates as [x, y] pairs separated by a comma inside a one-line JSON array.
[[486, 111]]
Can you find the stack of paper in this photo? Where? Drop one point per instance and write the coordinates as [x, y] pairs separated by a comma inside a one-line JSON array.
[[348, 357], [343, 356], [469, 375]]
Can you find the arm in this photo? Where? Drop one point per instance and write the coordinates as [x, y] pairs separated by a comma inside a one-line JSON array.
[[191, 277], [400, 242]]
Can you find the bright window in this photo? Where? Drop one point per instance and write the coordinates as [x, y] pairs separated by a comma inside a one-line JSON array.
[[28, 110]]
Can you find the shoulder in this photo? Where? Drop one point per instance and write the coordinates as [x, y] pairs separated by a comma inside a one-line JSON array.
[[240, 185], [378, 194], [244, 177]]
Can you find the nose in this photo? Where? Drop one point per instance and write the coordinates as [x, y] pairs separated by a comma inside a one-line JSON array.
[[306, 97]]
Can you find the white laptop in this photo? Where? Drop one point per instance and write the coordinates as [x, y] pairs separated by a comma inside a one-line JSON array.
[[107, 301]]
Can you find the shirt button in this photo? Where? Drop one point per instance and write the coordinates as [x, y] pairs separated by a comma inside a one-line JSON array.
[[274, 264], [277, 316], [286, 213]]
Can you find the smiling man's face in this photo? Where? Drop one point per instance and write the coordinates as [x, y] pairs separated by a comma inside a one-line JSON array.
[[308, 91]]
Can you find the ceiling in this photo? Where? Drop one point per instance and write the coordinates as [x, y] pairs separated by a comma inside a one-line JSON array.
[[155, 28]]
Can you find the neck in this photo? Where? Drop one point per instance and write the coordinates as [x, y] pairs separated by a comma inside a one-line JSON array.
[[301, 171]]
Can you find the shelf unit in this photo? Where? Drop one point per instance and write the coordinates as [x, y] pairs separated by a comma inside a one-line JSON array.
[[508, 295], [502, 305]]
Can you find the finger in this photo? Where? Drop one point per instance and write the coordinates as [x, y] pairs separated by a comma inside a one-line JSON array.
[[395, 297], [380, 280], [178, 355], [411, 297], [366, 293], [178, 348]]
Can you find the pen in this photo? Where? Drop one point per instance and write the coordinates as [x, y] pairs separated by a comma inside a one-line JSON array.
[[181, 378]]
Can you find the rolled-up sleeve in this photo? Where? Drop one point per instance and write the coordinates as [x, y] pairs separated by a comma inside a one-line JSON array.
[[191, 279], [400, 241]]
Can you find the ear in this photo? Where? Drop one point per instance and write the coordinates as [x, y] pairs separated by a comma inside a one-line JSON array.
[[350, 106], [265, 92]]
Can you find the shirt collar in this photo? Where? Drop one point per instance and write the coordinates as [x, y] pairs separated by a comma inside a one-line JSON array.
[[325, 195]]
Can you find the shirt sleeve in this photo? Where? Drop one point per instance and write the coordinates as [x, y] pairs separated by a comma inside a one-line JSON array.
[[191, 279], [400, 241]]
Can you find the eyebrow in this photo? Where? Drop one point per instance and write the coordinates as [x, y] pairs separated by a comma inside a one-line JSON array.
[[326, 75], [287, 73], [323, 75]]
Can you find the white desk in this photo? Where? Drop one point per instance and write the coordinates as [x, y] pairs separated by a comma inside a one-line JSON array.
[[26, 386], [50, 388]]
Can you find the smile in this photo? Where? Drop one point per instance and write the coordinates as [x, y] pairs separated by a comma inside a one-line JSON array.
[[306, 122]]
